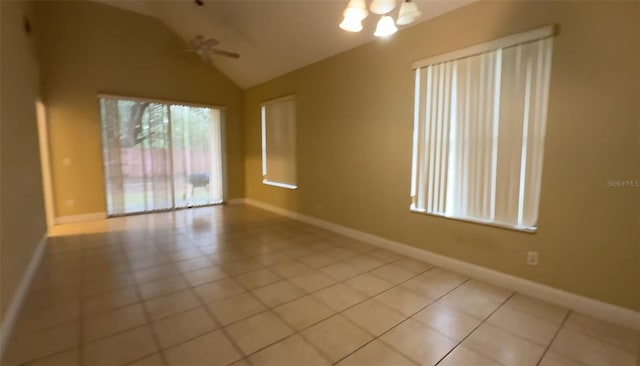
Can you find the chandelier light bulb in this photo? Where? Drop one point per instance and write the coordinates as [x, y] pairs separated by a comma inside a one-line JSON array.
[[382, 6], [408, 13], [351, 24], [386, 27]]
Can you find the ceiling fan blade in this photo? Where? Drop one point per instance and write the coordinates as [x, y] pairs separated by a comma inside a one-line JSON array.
[[226, 53], [196, 41], [209, 43]]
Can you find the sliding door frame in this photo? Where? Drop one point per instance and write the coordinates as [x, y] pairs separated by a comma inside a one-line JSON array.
[[168, 104]]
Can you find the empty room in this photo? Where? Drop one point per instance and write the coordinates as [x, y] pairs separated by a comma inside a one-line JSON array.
[[319, 182]]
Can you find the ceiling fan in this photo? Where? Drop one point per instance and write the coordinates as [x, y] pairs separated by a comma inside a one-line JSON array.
[[206, 47]]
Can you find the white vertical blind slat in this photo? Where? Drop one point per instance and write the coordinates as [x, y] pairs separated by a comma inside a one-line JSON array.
[[479, 134]]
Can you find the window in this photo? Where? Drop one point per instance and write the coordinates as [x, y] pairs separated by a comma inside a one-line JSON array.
[[479, 127], [160, 155], [279, 142]]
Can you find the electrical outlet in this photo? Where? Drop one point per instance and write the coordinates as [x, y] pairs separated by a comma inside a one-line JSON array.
[[71, 203], [320, 207], [532, 258]]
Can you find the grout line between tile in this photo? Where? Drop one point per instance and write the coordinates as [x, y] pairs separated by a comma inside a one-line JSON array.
[[474, 329], [566, 316], [149, 323]]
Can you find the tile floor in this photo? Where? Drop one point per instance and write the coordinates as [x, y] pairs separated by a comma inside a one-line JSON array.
[[236, 285]]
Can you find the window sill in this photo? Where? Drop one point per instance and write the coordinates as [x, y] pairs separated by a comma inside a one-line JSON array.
[[525, 229], [281, 185]]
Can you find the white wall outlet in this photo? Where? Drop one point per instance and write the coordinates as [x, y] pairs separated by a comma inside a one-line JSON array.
[[320, 207], [532, 258], [71, 202], [66, 161]]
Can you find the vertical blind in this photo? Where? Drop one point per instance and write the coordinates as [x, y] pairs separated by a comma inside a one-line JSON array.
[[479, 134], [279, 142], [159, 156]]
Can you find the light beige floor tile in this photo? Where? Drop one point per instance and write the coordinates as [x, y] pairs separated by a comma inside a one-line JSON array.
[[341, 271], [161, 307], [183, 326], [258, 331], [413, 265], [527, 326], [317, 260], [385, 255], [110, 301], [322, 246], [140, 263], [235, 308], [591, 351], [272, 258], [462, 355], [336, 337], [303, 312], [204, 275], [278, 293], [487, 290], [228, 256], [364, 262], [235, 268], [218, 290], [419, 343], [298, 251], [292, 351], [194, 264], [112, 322], [212, 349], [242, 362], [257, 278], [31, 320], [434, 283], [450, 322], [470, 302], [554, 359], [51, 297], [119, 349], [374, 317], [104, 283], [66, 358], [376, 353], [341, 253], [392, 273], [503, 346], [153, 360], [162, 287], [368, 284], [339, 297], [290, 268], [312, 281], [184, 254], [155, 273], [403, 300], [605, 331], [46, 342], [539, 308]]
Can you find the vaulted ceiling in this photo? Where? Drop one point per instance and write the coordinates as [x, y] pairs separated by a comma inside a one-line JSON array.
[[273, 37]]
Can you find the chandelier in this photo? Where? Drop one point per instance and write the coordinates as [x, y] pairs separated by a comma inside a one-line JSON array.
[[357, 10]]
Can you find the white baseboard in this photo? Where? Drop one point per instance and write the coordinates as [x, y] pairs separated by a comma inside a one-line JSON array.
[[81, 218], [598, 309], [20, 294]]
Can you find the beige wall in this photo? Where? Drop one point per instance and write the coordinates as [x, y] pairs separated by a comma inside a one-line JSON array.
[[355, 129], [22, 216], [87, 48]]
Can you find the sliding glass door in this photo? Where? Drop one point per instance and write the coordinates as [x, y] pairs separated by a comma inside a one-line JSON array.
[[160, 156]]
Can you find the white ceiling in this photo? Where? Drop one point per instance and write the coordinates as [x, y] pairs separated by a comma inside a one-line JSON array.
[[273, 37]]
